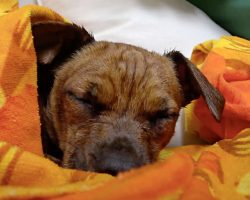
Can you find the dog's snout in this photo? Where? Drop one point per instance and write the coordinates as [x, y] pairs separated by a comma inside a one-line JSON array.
[[115, 157], [114, 163]]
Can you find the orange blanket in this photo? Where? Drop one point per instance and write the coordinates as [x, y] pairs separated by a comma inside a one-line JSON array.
[[220, 171], [226, 64]]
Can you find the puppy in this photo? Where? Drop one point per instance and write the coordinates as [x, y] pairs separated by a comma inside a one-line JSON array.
[[109, 107]]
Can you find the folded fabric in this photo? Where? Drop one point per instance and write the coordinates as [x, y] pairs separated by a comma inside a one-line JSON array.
[[19, 124], [226, 64], [220, 171]]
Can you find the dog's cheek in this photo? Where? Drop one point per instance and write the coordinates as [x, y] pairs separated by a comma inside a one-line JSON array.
[[75, 114], [77, 127], [164, 132], [77, 148], [154, 150], [149, 147], [68, 157], [155, 143], [167, 134], [89, 138], [80, 160], [67, 114]]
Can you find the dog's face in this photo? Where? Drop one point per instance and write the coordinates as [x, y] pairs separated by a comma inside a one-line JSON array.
[[117, 106], [112, 106]]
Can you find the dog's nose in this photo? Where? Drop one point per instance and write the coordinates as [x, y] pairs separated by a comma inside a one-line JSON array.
[[117, 156]]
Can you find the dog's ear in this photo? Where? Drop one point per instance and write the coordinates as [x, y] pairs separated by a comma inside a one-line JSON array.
[[194, 84], [57, 40], [54, 43]]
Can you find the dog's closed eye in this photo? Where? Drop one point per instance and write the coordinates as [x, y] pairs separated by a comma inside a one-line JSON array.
[[160, 115], [88, 101], [159, 118], [157, 121]]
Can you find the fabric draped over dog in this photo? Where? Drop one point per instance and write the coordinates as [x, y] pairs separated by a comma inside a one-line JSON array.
[[219, 171]]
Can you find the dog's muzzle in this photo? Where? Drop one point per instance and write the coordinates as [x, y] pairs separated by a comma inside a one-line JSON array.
[[116, 156]]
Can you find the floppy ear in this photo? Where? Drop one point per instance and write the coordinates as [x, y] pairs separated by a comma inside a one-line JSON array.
[[56, 40], [54, 43], [194, 84]]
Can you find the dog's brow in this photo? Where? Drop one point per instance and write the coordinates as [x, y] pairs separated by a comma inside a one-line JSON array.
[[159, 104], [154, 104]]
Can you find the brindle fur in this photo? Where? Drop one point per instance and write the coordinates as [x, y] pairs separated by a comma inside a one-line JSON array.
[[112, 106]]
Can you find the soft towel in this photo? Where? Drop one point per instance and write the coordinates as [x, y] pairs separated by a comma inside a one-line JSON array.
[[226, 64], [219, 171]]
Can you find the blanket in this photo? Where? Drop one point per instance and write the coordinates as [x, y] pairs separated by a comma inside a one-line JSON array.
[[218, 171], [226, 64]]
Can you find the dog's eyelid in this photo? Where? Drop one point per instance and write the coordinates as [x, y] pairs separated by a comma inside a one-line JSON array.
[[72, 94], [89, 100], [82, 99], [167, 113], [161, 114], [172, 112]]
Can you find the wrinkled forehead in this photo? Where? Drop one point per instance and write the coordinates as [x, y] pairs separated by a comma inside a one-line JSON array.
[[125, 77]]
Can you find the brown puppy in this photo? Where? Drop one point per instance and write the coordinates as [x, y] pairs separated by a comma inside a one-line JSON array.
[[109, 107]]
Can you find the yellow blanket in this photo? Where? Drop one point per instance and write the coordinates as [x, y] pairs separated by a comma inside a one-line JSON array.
[[219, 171]]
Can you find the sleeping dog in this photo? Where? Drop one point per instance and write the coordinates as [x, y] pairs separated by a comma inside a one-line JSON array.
[[109, 107]]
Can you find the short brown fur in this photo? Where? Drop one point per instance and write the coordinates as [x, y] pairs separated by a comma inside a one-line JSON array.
[[114, 106]]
